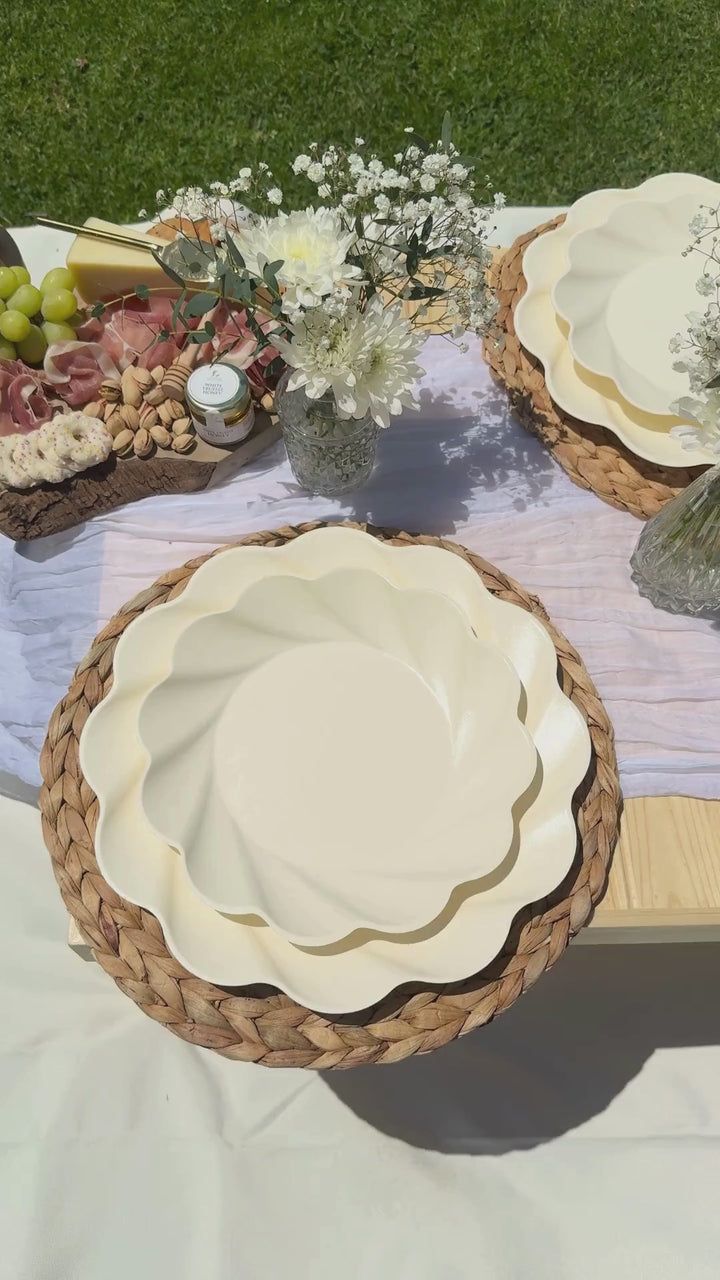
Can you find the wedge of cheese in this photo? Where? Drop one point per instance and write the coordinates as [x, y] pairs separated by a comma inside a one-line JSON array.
[[104, 270]]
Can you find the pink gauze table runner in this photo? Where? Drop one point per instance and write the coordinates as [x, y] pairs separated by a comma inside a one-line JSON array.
[[461, 467]]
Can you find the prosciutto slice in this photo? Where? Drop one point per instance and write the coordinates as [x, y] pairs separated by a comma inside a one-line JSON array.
[[131, 331], [76, 369], [236, 342], [24, 405]]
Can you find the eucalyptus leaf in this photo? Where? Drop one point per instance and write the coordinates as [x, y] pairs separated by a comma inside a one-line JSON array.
[[419, 141], [234, 254], [713, 384], [177, 316], [446, 133], [237, 287], [203, 335], [425, 291], [199, 303]]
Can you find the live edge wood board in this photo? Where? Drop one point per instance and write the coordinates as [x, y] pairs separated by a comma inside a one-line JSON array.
[[36, 513]]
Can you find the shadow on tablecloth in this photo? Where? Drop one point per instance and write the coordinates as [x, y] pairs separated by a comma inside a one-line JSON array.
[[554, 1060]]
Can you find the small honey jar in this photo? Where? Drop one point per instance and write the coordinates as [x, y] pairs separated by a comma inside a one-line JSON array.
[[220, 404]]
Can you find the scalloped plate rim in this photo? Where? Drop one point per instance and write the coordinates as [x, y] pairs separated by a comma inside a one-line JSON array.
[[383, 965], [518, 744], [544, 338], [616, 368]]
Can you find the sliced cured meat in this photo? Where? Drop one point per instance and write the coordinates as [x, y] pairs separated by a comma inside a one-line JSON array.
[[76, 369], [235, 341], [24, 405], [131, 331]]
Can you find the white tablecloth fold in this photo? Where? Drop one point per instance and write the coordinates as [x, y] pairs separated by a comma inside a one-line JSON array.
[[461, 467]]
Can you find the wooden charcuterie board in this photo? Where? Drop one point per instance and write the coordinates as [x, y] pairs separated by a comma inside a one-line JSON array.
[[50, 508]]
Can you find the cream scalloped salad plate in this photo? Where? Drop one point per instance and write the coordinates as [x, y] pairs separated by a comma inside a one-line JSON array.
[[346, 976], [396, 747]]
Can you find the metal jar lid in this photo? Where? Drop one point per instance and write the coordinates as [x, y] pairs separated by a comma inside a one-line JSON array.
[[219, 388]]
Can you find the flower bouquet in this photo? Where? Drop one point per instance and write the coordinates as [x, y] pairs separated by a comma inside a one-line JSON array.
[[339, 293], [677, 560]]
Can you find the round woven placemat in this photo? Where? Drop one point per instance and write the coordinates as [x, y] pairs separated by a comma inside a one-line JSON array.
[[592, 456], [249, 1024]]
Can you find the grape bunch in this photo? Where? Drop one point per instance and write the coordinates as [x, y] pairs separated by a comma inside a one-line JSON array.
[[31, 318]]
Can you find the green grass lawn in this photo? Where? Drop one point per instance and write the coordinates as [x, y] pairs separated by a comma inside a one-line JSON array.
[[556, 96]]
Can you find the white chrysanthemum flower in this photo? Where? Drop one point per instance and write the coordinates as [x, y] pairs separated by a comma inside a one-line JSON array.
[[367, 359], [301, 164], [312, 246], [427, 182], [274, 195]]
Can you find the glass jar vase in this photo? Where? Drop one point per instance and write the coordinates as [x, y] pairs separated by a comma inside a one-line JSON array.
[[327, 454], [676, 563]]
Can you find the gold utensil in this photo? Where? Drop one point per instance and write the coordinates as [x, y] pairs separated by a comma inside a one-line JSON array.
[[97, 233]]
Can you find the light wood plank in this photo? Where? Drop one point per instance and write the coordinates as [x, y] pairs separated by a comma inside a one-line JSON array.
[[666, 871]]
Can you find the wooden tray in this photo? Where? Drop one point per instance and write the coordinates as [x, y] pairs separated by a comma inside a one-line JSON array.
[[50, 508]]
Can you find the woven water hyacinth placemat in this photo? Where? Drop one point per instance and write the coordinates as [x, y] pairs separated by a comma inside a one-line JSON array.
[[592, 456], [249, 1024]]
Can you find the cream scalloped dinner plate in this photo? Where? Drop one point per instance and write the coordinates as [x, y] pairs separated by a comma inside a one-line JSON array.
[[544, 333], [350, 975], [628, 289], [396, 746]]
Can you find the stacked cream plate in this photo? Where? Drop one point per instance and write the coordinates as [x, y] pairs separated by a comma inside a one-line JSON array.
[[606, 292], [335, 766]]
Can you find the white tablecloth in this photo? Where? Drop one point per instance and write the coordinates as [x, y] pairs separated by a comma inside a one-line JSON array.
[[577, 1138], [461, 467]]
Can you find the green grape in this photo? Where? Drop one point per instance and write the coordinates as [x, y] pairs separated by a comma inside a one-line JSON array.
[[21, 274], [8, 283], [26, 298], [32, 349], [57, 332], [58, 278], [7, 350], [59, 305], [14, 326]]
